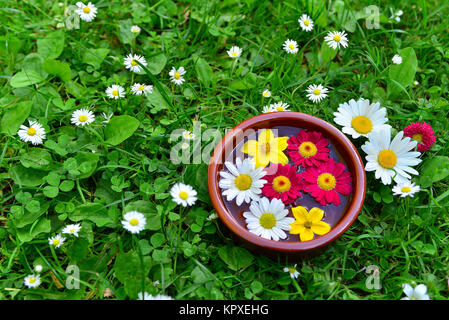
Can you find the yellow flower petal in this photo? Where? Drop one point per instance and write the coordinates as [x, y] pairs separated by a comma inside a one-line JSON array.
[[300, 214], [296, 228], [320, 228], [282, 143], [261, 159], [250, 147], [315, 215], [278, 157], [266, 136], [306, 235]]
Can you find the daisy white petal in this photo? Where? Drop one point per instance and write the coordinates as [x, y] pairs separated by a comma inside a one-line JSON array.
[[115, 91], [306, 23], [316, 93], [177, 75], [134, 221], [291, 46], [183, 194], [335, 39], [35, 133], [86, 12], [234, 52], [32, 281], [82, 117], [132, 62]]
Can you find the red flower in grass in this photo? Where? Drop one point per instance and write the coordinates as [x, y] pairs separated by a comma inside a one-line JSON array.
[[421, 132], [284, 183], [327, 182], [308, 149]]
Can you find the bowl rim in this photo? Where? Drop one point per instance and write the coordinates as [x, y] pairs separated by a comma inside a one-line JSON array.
[[333, 134]]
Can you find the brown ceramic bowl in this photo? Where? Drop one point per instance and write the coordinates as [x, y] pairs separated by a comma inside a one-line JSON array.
[[342, 145]]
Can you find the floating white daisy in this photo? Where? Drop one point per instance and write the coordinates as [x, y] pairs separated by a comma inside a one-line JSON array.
[[406, 189], [72, 229], [177, 75], [243, 181], [56, 241], [183, 194], [417, 293], [138, 89], [187, 135], [316, 92], [336, 38], [115, 91], [32, 281], [280, 106], [359, 118], [82, 117], [266, 93], [134, 221], [132, 62], [397, 59], [234, 52], [135, 29], [391, 158], [306, 23], [147, 296], [268, 219], [35, 133], [268, 109], [292, 271], [86, 12], [291, 46]]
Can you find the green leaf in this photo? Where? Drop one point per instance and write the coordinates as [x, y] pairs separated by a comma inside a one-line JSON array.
[[157, 240], [66, 185], [25, 78], [236, 258], [120, 128], [433, 170], [52, 45], [124, 33], [58, 68], [204, 72], [95, 57], [50, 191], [402, 75], [157, 63], [15, 116], [95, 212], [78, 250], [30, 232], [27, 177], [327, 54], [86, 163], [53, 179], [37, 158]]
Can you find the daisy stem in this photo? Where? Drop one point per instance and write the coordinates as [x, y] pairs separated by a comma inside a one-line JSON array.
[[78, 187], [298, 288]]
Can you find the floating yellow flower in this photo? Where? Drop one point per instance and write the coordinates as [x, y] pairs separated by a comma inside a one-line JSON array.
[[267, 149], [308, 223]]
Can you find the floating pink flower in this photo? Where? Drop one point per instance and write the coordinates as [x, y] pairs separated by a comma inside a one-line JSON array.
[[421, 132], [282, 183], [326, 182], [308, 149]]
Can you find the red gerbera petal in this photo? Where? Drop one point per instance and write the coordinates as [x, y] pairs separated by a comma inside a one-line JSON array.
[[284, 183], [308, 149], [421, 132]]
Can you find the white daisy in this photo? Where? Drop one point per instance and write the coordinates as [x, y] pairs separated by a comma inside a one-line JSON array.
[[135, 29], [336, 38], [242, 181], [115, 91], [35, 133], [187, 135], [291, 46], [397, 59], [417, 293], [280, 106], [131, 62], [82, 117], [56, 241], [134, 221], [138, 89], [316, 92], [234, 52], [86, 13], [38, 268], [177, 75], [396, 15], [268, 109], [390, 158], [359, 118], [406, 189], [183, 194], [32, 281], [268, 219], [292, 271], [306, 23], [72, 229], [147, 296], [106, 117], [266, 93]]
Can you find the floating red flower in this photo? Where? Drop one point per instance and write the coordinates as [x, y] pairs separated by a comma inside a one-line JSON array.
[[308, 149], [326, 182], [421, 132], [282, 183]]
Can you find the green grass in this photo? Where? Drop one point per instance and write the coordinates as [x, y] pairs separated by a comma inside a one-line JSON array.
[[182, 254]]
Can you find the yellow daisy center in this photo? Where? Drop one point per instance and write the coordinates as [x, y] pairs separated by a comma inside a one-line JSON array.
[[306, 22], [266, 94], [326, 181], [134, 222], [177, 75], [183, 195], [291, 270], [86, 9], [234, 54], [82, 118], [406, 189], [141, 88], [115, 92], [31, 131], [133, 63], [55, 242], [291, 46], [243, 182], [280, 108], [417, 137], [387, 159], [267, 220], [72, 230], [32, 279], [307, 149], [281, 184], [337, 38], [362, 124], [316, 91]]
